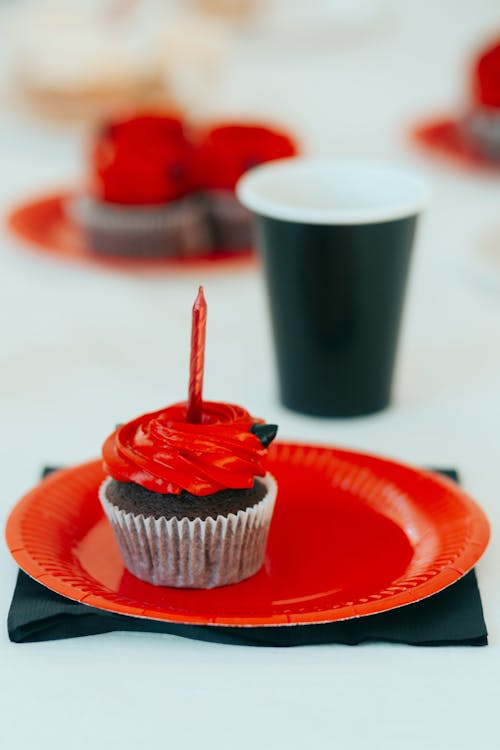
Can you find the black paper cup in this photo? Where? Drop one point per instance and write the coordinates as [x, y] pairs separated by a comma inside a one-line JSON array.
[[336, 240]]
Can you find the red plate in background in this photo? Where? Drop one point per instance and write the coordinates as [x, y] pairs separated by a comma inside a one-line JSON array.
[[352, 535], [444, 138], [44, 223]]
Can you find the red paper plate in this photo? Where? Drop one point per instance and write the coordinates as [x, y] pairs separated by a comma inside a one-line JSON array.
[[444, 137], [352, 535], [44, 223]]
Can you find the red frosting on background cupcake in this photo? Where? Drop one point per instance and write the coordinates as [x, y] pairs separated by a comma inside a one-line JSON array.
[[148, 159], [164, 453], [145, 159], [486, 77], [227, 151]]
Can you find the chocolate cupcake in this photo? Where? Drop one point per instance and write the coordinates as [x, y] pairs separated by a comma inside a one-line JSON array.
[[190, 504], [225, 153], [140, 201]]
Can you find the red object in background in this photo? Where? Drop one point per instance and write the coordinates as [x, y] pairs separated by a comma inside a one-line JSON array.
[[227, 151], [43, 224], [197, 359], [143, 160], [486, 77], [351, 535], [445, 137], [149, 159], [448, 136]]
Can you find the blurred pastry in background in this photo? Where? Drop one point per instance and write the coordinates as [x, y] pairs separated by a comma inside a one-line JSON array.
[[225, 153], [84, 62], [140, 200], [74, 61], [481, 125]]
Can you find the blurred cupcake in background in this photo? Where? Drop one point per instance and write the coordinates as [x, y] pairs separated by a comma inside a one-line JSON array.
[[225, 153], [78, 62], [140, 200], [160, 188], [81, 62], [481, 125]]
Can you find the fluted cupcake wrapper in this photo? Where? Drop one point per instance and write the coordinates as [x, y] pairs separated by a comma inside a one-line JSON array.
[[193, 553], [231, 222], [177, 228]]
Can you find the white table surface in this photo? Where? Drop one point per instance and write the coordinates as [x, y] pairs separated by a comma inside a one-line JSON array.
[[82, 349]]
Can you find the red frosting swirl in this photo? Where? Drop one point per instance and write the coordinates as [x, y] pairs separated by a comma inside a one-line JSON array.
[[164, 453]]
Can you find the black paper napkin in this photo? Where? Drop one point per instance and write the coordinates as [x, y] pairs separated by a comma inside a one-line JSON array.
[[453, 617]]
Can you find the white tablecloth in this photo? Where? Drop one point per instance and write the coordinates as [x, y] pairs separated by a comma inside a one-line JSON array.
[[82, 349]]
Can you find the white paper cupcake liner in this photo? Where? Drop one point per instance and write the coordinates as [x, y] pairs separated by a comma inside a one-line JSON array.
[[193, 554], [177, 228]]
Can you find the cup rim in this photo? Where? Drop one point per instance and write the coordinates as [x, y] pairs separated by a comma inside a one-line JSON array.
[[412, 196]]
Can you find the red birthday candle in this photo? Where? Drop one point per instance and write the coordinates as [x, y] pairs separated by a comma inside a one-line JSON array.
[[197, 360]]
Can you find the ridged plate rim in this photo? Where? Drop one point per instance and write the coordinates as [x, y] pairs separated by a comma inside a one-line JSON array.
[[469, 538]]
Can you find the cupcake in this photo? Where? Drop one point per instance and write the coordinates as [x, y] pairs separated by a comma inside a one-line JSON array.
[[190, 504], [225, 153], [187, 493], [139, 203], [79, 62], [481, 125]]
